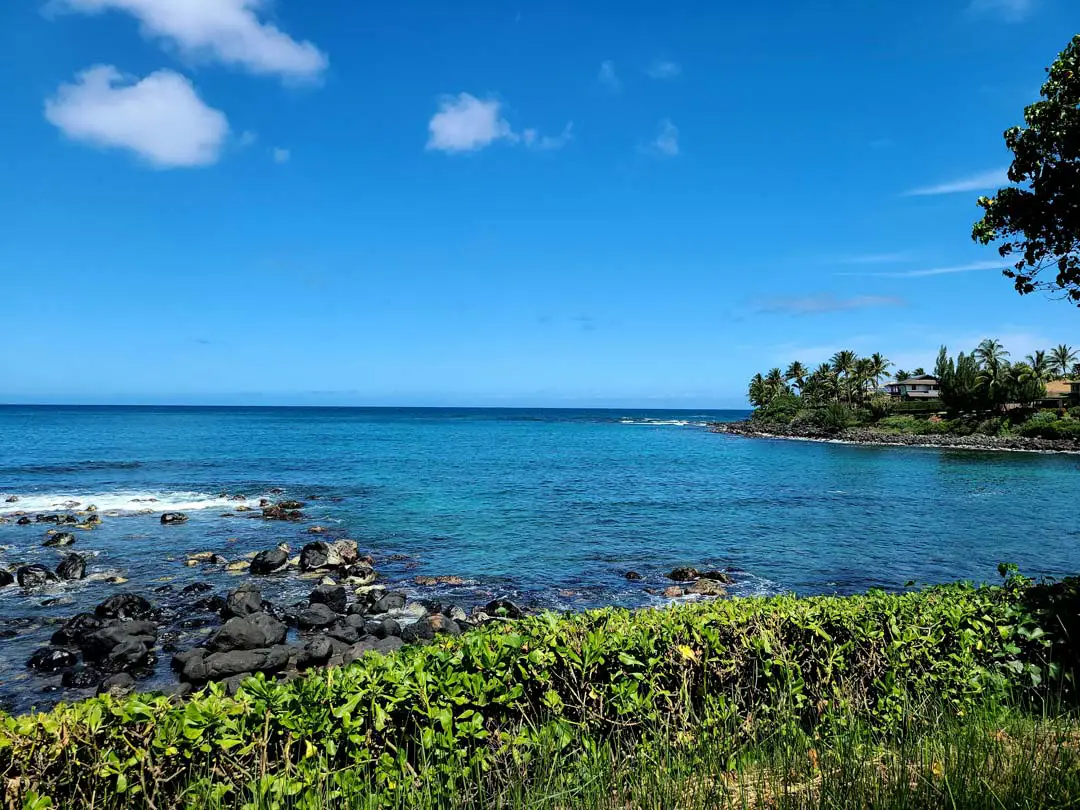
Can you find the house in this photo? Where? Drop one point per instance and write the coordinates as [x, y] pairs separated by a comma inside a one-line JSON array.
[[925, 386], [1061, 394]]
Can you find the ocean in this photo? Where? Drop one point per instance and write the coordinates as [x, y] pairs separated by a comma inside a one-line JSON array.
[[549, 508]]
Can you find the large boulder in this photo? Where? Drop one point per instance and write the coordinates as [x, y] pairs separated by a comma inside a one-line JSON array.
[[315, 617], [444, 624], [421, 630], [707, 587], [81, 678], [684, 574], [218, 666], [277, 513], [360, 573], [52, 659], [71, 567], [34, 576], [244, 601], [77, 628], [125, 606], [267, 562], [6, 578], [395, 600], [314, 556], [342, 553], [315, 653], [117, 685], [120, 644], [59, 539], [173, 518], [381, 646], [253, 632], [334, 597], [503, 608], [722, 577]]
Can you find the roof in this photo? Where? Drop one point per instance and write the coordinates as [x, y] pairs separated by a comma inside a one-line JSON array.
[[1059, 388], [923, 394], [922, 379]]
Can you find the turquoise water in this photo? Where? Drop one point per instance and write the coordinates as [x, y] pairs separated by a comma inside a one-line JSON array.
[[549, 507]]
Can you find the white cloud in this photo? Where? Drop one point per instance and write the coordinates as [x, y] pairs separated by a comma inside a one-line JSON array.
[[161, 118], [229, 31], [661, 69], [667, 141], [937, 271], [607, 78], [281, 155], [247, 138], [545, 143], [1009, 10], [464, 123], [827, 303], [983, 181]]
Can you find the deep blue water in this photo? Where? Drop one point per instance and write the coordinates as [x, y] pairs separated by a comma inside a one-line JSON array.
[[550, 507]]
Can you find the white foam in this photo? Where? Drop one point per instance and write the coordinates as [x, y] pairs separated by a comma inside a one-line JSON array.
[[655, 422], [129, 501]]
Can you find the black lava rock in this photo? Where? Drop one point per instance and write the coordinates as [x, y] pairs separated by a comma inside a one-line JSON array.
[[253, 632], [387, 602], [197, 587], [333, 596], [313, 556], [81, 678], [315, 617], [52, 659], [71, 567], [59, 539], [34, 576], [173, 518], [244, 601], [267, 562], [6, 578], [77, 628], [125, 606], [504, 608]]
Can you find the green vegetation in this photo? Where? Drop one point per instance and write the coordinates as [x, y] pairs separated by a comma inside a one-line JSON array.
[[1037, 222], [981, 392], [539, 704]]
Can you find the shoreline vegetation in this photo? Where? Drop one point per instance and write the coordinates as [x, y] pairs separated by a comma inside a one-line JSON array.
[[978, 400], [878, 700]]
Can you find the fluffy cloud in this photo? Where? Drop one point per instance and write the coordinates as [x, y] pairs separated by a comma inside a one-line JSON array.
[[229, 31], [464, 123], [281, 155], [667, 141], [661, 69], [161, 118], [983, 181]]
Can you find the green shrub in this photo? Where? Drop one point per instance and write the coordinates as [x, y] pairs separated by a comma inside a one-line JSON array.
[[1047, 425], [880, 407], [993, 426], [834, 417], [780, 411], [429, 716], [1075, 412], [916, 426]]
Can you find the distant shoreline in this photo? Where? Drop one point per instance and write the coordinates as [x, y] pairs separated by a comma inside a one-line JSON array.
[[876, 438]]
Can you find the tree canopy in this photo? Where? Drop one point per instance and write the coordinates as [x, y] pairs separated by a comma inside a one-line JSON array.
[[1037, 222]]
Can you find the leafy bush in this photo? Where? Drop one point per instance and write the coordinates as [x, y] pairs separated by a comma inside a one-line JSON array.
[[915, 426], [1047, 425], [880, 407], [426, 716], [780, 411], [993, 426], [833, 417], [1075, 412]]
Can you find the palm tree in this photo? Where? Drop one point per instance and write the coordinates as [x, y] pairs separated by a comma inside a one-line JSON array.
[[757, 394], [796, 373], [843, 366], [1075, 373], [902, 375], [1061, 358], [862, 376], [991, 352], [880, 367], [1039, 365]]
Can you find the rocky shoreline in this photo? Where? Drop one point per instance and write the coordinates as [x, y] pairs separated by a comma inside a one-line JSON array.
[[206, 634], [877, 438]]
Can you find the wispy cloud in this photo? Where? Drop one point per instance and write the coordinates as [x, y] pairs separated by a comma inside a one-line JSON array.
[[607, 78], [826, 303], [983, 181], [935, 271], [160, 118], [666, 141], [547, 143], [281, 155], [877, 258], [1008, 10], [663, 69], [228, 31]]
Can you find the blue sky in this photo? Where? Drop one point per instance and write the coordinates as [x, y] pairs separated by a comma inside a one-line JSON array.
[[605, 203]]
